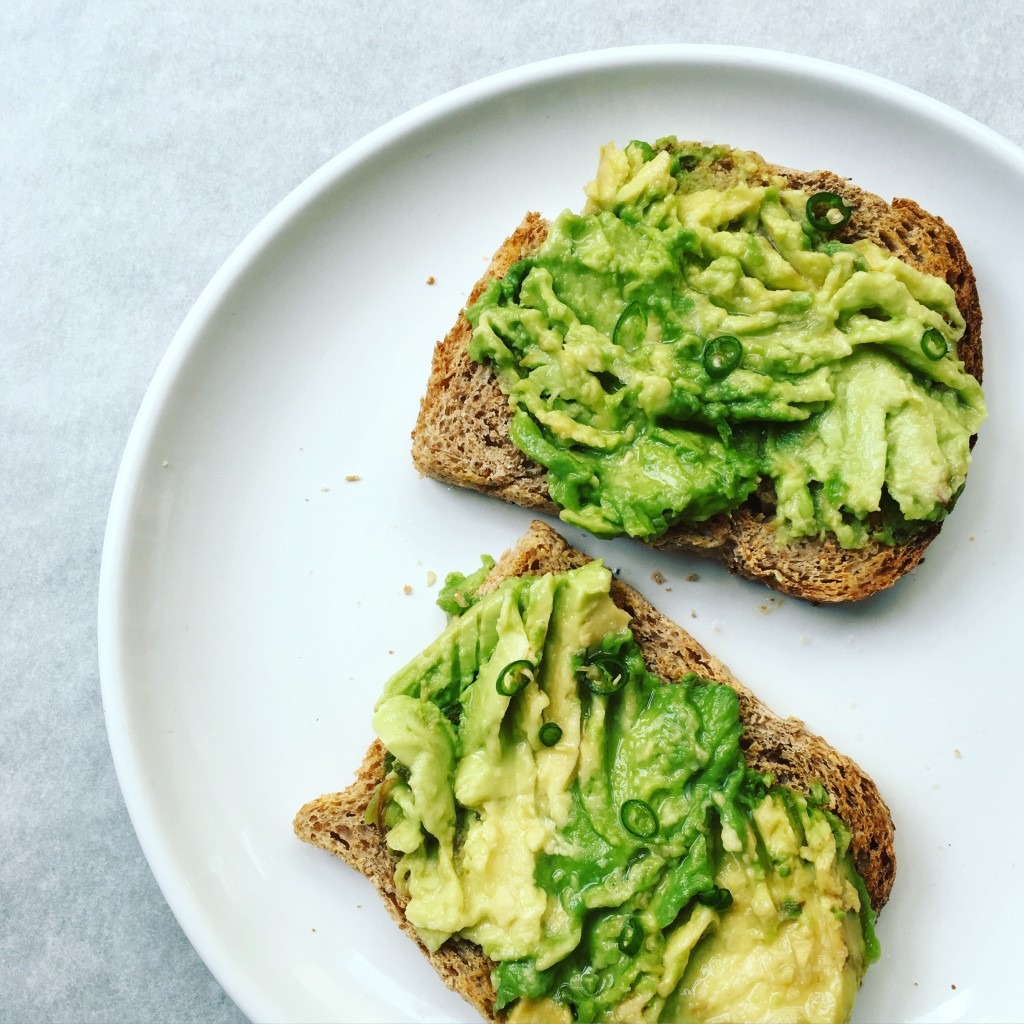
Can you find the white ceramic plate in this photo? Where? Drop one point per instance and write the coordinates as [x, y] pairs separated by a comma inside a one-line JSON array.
[[252, 597]]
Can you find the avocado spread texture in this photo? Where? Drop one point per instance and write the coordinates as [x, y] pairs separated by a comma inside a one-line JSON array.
[[681, 345], [597, 832]]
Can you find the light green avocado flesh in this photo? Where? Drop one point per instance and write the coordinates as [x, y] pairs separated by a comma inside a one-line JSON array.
[[626, 865], [847, 394]]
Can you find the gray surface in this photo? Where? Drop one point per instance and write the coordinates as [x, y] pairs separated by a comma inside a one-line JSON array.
[[140, 143]]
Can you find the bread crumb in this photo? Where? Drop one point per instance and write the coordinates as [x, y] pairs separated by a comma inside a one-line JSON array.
[[390, 651], [430, 280], [763, 609], [657, 577], [325, 489], [407, 589], [313, 930], [431, 577], [693, 577], [164, 464], [693, 614], [352, 478], [668, 590], [956, 753]]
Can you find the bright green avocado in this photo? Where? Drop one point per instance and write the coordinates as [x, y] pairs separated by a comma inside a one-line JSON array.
[[679, 342], [598, 833]]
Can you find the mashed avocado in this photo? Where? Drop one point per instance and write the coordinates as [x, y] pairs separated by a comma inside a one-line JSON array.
[[598, 833], [682, 341]]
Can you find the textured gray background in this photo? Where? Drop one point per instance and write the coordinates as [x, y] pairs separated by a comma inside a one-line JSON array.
[[140, 140]]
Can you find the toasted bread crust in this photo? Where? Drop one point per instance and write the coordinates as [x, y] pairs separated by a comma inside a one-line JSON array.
[[461, 434], [334, 822], [782, 746]]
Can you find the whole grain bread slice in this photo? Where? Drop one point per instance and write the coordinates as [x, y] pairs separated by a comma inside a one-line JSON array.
[[461, 434], [781, 746]]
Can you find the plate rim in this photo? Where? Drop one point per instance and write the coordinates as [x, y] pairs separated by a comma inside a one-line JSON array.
[[115, 681]]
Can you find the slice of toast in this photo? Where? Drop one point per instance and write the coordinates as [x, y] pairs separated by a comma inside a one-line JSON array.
[[781, 746], [461, 435]]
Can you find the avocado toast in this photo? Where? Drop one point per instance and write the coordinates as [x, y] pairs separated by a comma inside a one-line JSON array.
[[672, 870], [772, 368]]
